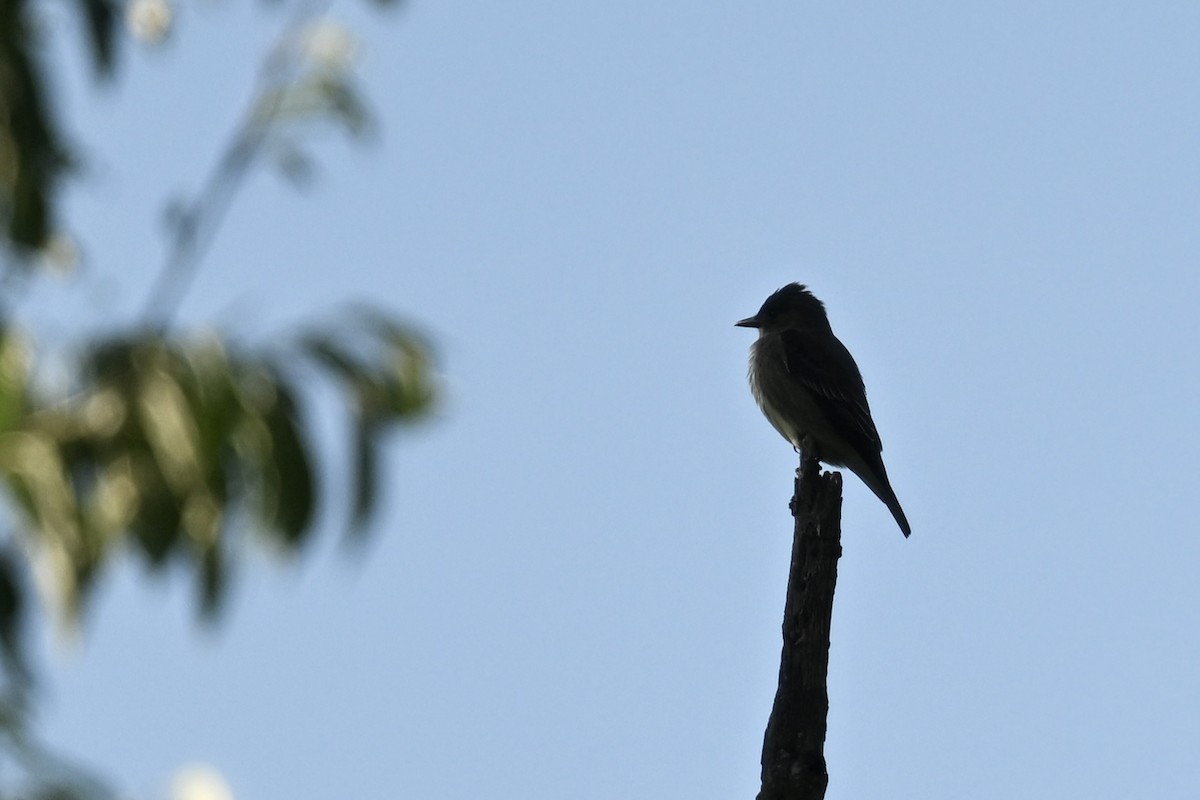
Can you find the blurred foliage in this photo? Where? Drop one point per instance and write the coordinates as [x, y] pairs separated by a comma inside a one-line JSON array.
[[32, 156], [173, 448], [35, 156], [165, 445]]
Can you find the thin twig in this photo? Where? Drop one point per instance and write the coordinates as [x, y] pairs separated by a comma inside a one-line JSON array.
[[198, 222]]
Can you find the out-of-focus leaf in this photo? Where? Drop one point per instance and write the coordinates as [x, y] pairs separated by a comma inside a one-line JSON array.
[[113, 503], [33, 466], [156, 525], [319, 96], [212, 397], [170, 429], [295, 164], [12, 614], [101, 17], [274, 448], [14, 378], [57, 793], [363, 391], [395, 381], [347, 105], [295, 480], [330, 353], [411, 392], [386, 370], [406, 371], [164, 442], [366, 474], [213, 580], [50, 776], [32, 156]]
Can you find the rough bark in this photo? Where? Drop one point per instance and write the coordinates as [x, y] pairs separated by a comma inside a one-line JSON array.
[[793, 760]]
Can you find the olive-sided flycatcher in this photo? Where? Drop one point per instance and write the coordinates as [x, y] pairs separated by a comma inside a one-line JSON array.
[[806, 383]]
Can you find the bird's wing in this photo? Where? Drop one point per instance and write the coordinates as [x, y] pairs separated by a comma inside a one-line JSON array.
[[824, 366]]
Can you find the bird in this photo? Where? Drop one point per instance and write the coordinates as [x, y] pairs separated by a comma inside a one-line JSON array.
[[807, 384]]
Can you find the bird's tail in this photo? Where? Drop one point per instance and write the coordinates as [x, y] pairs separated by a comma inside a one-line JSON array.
[[876, 479], [893, 505]]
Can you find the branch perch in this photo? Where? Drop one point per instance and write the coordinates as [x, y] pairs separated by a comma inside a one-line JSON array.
[[793, 760]]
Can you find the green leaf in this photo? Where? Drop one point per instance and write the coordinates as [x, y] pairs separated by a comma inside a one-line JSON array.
[[294, 164], [170, 429], [163, 441], [14, 378], [348, 107], [366, 474], [12, 613], [101, 18], [407, 371], [156, 525], [396, 383], [33, 465], [290, 469], [213, 581], [385, 368], [330, 353], [32, 154]]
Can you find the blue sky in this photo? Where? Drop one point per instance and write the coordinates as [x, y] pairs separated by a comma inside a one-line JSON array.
[[576, 585]]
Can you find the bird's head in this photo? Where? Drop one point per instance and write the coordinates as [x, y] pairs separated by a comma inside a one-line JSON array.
[[793, 306]]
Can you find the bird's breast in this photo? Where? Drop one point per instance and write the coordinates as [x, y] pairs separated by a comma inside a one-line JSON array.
[[786, 402]]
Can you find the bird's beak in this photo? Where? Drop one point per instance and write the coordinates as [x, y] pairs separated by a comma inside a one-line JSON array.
[[748, 322]]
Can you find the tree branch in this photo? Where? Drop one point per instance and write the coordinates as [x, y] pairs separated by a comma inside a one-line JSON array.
[[793, 760], [197, 221]]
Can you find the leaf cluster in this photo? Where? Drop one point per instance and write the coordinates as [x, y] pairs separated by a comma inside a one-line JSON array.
[[33, 156], [172, 447], [164, 444], [167, 446]]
